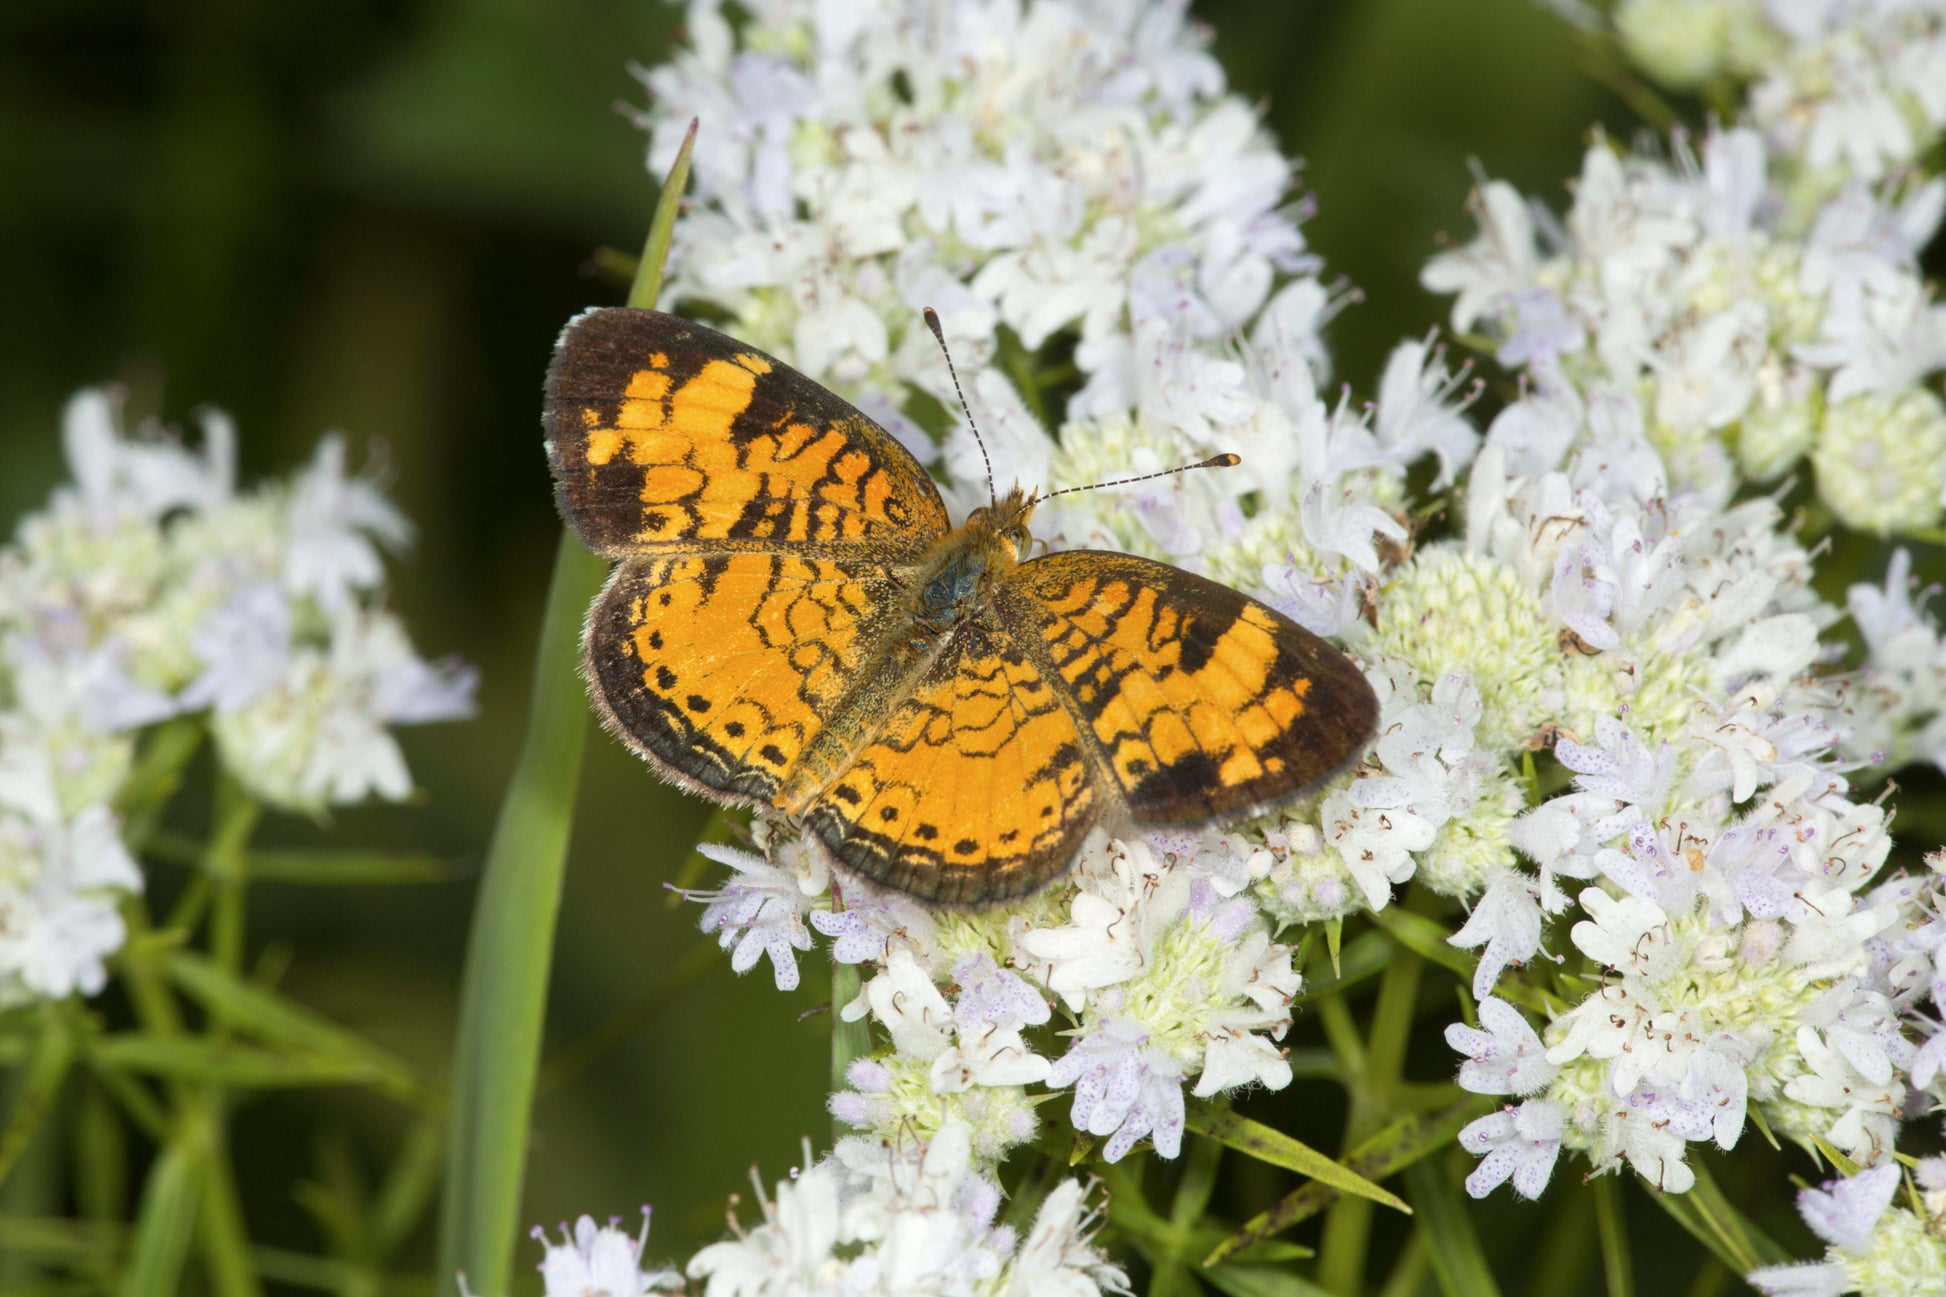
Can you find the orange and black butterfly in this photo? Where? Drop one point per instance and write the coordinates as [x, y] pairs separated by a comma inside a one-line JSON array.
[[795, 624]]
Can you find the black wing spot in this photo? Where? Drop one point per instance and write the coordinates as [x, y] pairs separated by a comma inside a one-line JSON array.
[[655, 639], [1197, 644], [733, 728], [847, 794], [966, 846], [888, 813], [1010, 835], [771, 753], [663, 598], [697, 703], [1137, 766], [665, 678], [926, 832]]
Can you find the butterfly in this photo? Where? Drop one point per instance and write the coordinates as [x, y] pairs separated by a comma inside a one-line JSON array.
[[794, 624]]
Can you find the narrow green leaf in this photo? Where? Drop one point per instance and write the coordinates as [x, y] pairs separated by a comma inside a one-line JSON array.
[[1260, 1281], [35, 1092], [1257, 1140], [100, 1153], [218, 1062], [1334, 936], [1561, 1258], [1361, 959], [352, 867], [225, 1251], [408, 1189], [1718, 1225], [1458, 1261], [1392, 1149], [165, 1223], [264, 1014], [510, 951], [81, 1244], [647, 286], [503, 999], [1611, 1227]]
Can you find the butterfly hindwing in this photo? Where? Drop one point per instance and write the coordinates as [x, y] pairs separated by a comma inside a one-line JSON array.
[[667, 435], [1199, 700], [721, 668], [976, 789]]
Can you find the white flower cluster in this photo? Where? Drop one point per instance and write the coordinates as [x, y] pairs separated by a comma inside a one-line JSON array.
[[874, 1219], [1850, 89], [1721, 874], [1160, 963], [1874, 1247], [150, 588], [1748, 341], [1039, 166]]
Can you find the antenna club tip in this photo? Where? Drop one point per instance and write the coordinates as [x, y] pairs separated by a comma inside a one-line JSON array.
[[932, 322], [1225, 460]]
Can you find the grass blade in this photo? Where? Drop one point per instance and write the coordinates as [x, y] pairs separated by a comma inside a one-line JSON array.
[[1718, 1226], [1458, 1261], [503, 997]]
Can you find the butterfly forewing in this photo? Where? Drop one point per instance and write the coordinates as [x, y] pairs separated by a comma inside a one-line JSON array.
[[1199, 700], [663, 433]]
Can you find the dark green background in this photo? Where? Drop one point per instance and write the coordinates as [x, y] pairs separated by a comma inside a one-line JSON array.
[[374, 217]]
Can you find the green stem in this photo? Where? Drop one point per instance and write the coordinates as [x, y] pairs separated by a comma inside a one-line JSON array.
[[1348, 1225], [225, 1239], [509, 954]]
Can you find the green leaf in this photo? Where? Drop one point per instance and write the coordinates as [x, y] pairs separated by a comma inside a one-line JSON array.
[[1260, 1281], [1259, 1141], [1611, 1227], [1717, 1225], [1388, 1152], [1362, 959], [275, 1019], [352, 867], [35, 1092], [166, 1221], [1458, 1261], [218, 1062], [503, 997], [655, 248]]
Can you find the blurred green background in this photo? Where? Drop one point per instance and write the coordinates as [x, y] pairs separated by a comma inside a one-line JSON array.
[[347, 214]]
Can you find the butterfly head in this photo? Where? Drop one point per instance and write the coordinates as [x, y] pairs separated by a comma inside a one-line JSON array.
[[1005, 520]]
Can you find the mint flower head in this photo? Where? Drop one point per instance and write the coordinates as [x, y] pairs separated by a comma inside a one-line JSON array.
[[149, 588]]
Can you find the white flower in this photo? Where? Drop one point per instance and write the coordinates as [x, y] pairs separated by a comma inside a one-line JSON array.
[[1517, 1144], [1124, 1088], [1504, 1055], [600, 1261], [333, 520], [758, 911]]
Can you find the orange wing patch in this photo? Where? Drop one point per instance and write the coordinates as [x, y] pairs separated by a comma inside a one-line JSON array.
[[663, 434], [1200, 700], [976, 789], [720, 668]]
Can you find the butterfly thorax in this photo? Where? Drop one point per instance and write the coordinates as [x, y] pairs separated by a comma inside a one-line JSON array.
[[956, 579]]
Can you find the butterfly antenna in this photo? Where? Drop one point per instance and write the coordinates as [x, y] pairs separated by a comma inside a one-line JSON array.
[[932, 322], [1224, 460]]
